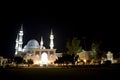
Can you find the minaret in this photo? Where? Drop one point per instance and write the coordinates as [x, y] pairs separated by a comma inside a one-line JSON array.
[[16, 46], [51, 40], [20, 41], [41, 43]]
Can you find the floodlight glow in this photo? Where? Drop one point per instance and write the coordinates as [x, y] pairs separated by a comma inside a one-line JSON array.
[[84, 60], [44, 59]]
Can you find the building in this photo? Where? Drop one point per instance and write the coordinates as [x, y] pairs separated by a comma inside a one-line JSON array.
[[3, 61], [35, 50], [84, 55]]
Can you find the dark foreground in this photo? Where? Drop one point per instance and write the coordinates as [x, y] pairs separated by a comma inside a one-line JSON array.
[[74, 73]]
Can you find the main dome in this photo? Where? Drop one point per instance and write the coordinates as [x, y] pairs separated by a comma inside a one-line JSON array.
[[32, 44]]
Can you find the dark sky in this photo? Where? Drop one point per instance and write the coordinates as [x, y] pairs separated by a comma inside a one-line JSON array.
[[95, 23]]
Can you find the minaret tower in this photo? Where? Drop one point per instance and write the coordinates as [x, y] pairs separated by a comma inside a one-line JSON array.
[[51, 40], [41, 43], [20, 41], [16, 46]]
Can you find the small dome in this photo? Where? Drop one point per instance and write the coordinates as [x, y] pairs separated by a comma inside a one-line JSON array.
[[32, 44]]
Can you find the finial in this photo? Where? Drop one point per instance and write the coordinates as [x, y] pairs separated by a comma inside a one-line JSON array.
[[51, 32], [21, 27]]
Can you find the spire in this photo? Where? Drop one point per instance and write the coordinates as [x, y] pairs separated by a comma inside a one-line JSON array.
[[41, 43], [51, 40], [21, 27], [51, 32], [17, 38], [16, 45], [20, 41]]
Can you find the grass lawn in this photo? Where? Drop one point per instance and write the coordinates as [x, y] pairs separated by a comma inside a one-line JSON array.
[[59, 73]]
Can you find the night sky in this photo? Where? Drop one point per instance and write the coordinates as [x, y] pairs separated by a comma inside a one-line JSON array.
[[87, 23]]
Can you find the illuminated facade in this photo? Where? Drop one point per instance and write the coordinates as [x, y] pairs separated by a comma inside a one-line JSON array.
[[35, 50], [84, 55]]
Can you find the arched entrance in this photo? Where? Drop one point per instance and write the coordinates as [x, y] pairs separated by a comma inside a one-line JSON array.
[[44, 59]]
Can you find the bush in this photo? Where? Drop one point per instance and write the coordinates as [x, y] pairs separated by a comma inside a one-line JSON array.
[[108, 62]]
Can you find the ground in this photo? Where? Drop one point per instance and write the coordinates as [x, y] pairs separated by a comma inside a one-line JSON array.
[[66, 73]]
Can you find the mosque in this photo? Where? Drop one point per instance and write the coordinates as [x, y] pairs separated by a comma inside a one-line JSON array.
[[35, 50]]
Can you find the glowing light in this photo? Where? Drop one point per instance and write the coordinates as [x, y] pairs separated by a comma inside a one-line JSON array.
[[44, 59], [36, 62], [84, 60]]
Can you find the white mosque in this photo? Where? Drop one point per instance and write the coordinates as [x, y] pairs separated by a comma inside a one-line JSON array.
[[35, 50]]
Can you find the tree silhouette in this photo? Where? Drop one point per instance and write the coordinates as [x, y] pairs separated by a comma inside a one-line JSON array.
[[96, 50], [29, 62], [70, 56], [73, 46], [18, 60]]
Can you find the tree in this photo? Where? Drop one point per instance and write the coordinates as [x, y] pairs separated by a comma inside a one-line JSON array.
[[18, 60], [96, 50], [29, 62], [73, 48], [117, 55], [71, 55]]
